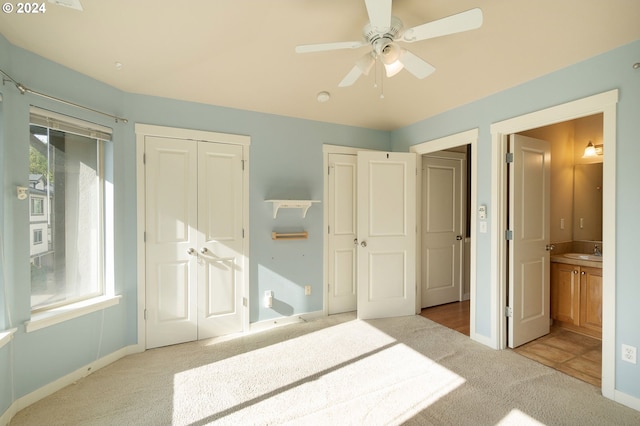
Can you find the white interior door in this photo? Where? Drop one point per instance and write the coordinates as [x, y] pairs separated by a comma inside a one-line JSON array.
[[442, 239], [171, 235], [342, 233], [194, 243], [221, 259], [386, 234], [529, 213]]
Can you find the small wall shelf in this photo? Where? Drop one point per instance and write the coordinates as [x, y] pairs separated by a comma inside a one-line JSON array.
[[290, 235], [291, 204]]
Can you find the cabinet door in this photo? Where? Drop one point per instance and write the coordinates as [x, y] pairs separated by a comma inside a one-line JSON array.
[[591, 298], [565, 293]]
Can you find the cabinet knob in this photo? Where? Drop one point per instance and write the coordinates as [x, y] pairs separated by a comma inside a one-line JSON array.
[[575, 271], [582, 273]]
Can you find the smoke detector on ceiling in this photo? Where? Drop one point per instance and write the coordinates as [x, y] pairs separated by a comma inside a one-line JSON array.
[[72, 4]]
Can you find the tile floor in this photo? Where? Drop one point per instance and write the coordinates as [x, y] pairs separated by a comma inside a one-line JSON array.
[[574, 354]]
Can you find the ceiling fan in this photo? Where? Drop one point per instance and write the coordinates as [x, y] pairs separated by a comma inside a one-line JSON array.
[[384, 31]]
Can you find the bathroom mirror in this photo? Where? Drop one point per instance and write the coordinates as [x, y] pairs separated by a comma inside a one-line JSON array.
[[587, 202]]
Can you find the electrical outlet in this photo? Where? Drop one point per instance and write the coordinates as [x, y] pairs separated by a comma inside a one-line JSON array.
[[629, 353], [307, 290]]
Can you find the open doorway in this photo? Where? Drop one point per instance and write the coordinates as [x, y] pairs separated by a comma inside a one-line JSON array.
[[446, 270], [573, 344], [605, 104]]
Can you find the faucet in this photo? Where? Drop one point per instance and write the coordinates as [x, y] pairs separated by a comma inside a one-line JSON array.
[[597, 251]]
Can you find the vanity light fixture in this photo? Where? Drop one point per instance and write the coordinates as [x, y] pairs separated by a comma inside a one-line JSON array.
[[592, 150]]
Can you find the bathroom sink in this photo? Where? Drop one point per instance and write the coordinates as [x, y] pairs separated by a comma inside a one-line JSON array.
[[583, 256]]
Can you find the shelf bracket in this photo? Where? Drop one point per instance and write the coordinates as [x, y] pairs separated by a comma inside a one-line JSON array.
[[291, 204]]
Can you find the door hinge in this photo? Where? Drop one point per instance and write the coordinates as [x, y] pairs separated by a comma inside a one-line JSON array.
[[508, 312], [242, 232], [145, 314], [245, 302], [329, 229], [144, 236], [328, 170], [508, 235], [144, 158], [509, 157], [242, 161]]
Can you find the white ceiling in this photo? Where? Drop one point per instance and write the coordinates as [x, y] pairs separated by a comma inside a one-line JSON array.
[[240, 53]]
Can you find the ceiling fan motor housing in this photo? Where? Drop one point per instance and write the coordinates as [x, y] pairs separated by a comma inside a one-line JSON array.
[[382, 39]]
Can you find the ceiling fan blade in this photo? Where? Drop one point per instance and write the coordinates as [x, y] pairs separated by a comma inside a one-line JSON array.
[[464, 21], [362, 66], [321, 47], [416, 65], [379, 14]]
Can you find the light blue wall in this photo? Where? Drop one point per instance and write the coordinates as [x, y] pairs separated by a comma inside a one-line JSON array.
[[612, 70], [285, 161]]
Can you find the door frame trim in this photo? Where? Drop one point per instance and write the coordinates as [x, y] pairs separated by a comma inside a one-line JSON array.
[[144, 130], [604, 103], [469, 137]]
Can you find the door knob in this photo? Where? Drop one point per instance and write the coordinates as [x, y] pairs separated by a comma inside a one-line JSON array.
[[204, 250], [191, 251], [355, 241], [549, 247], [459, 237], [363, 244]]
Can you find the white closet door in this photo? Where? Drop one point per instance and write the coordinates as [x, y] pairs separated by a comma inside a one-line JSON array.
[[343, 229], [386, 234], [220, 245], [194, 252], [171, 235]]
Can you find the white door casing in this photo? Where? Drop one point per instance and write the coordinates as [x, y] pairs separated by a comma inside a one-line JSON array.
[[386, 234], [442, 229], [529, 213], [342, 229], [197, 189]]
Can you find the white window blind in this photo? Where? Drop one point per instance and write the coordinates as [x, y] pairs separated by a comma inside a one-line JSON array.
[[52, 120]]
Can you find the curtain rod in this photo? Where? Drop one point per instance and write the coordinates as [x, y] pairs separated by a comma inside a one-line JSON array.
[[23, 89]]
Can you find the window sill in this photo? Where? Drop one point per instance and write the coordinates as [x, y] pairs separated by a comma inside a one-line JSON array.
[[6, 336], [65, 313]]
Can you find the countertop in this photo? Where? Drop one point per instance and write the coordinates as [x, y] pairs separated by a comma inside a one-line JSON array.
[[558, 258]]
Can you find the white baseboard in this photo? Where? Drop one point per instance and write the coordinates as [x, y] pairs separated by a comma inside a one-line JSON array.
[[277, 322], [628, 400], [64, 381]]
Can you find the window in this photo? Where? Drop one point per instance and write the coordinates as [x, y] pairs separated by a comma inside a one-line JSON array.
[[37, 236], [67, 189], [37, 206]]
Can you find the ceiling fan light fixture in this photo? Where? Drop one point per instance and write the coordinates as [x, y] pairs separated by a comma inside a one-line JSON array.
[[393, 68], [388, 51]]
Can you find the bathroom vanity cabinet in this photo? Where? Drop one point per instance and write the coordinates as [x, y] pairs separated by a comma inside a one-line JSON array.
[[576, 297]]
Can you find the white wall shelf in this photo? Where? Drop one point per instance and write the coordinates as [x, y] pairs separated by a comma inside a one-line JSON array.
[[291, 204]]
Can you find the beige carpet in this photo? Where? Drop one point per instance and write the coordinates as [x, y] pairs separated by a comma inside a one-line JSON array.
[[331, 371]]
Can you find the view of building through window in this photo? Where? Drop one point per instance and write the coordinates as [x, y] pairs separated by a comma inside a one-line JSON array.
[[65, 193]]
